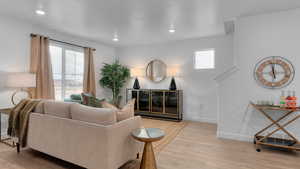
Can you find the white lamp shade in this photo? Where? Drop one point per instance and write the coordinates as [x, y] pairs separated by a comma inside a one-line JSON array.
[[21, 80], [137, 72]]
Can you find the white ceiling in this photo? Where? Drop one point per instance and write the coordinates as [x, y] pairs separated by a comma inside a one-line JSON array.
[[139, 21]]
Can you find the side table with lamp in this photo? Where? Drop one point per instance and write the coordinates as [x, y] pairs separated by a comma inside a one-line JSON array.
[[22, 81]]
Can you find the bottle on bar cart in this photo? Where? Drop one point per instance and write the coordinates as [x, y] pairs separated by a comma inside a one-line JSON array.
[[288, 100], [294, 100], [282, 99]]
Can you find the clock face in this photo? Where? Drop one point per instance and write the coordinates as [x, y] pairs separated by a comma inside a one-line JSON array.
[[274, 72]]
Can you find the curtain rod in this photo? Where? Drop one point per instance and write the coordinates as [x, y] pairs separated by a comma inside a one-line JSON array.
[[59, 41]]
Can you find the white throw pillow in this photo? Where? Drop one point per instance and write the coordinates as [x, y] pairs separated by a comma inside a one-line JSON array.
[[102, 116]]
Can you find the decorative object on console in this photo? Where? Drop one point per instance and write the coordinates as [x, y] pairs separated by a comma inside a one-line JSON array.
[[136, 72], [172, 72], [274, 72], [23, 81], [114, 76], [136, 84], [156, 71], [172, 84], [163, 104]]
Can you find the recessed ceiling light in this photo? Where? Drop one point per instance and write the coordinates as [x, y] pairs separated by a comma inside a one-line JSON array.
[[115, 39], [40, 12], [172, 30]]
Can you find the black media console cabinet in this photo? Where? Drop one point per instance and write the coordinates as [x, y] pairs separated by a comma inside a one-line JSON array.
[[156, 103]]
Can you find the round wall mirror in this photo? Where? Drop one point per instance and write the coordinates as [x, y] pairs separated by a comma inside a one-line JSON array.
[[156, 70]]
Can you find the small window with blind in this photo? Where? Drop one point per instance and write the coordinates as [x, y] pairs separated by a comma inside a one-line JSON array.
[[204, 59], [67, 67]]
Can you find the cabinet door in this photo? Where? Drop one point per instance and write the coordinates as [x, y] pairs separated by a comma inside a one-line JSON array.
[[157, 101], [144, 101], [171, 103]]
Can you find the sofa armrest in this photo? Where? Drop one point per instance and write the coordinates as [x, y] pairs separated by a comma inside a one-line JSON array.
[[122, 146]]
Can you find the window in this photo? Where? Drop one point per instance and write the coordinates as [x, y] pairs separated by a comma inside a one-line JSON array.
[[205, 59], [67, 66]]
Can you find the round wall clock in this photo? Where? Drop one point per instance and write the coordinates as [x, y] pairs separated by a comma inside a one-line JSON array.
[[274, 72]]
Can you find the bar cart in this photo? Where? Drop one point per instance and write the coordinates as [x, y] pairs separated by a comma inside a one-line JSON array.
[[270, 140]]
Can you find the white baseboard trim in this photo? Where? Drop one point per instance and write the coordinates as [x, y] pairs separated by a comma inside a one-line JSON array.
[[234, 136], [203, 120]]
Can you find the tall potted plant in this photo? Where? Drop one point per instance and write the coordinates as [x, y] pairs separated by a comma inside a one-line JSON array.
[[114, 76]]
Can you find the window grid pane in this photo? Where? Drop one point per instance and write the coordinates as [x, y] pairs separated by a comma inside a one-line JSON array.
[[205, 59], [68, 70], [56, 60]]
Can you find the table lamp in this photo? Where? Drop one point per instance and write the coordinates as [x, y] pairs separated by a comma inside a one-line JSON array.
[[22, 81], [136, 72], [172, 72]]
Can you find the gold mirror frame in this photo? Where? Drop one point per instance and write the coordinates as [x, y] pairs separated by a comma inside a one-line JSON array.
[[152, 70]]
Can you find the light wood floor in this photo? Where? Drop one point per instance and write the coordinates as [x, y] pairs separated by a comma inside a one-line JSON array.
[[195, 147]]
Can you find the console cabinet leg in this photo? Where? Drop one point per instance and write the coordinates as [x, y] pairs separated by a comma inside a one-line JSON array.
[[18, 147]]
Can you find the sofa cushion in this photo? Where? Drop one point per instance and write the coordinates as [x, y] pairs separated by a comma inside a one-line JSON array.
[[59, 109], [102, 116], [122, 114]]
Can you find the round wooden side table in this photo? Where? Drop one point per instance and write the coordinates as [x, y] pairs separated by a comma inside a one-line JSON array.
[[148, 135]]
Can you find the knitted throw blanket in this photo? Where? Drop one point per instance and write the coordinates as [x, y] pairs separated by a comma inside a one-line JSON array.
[[19, 118]]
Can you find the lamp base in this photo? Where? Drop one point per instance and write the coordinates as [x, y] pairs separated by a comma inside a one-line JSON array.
[[18, 91], [172, 84], [136, 84]]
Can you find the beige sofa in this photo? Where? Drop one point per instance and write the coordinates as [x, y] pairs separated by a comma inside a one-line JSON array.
[[88, 137]]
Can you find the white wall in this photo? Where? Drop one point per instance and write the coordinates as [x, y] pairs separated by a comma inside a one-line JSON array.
[[15, 45], [199, 87], [256, 37]]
